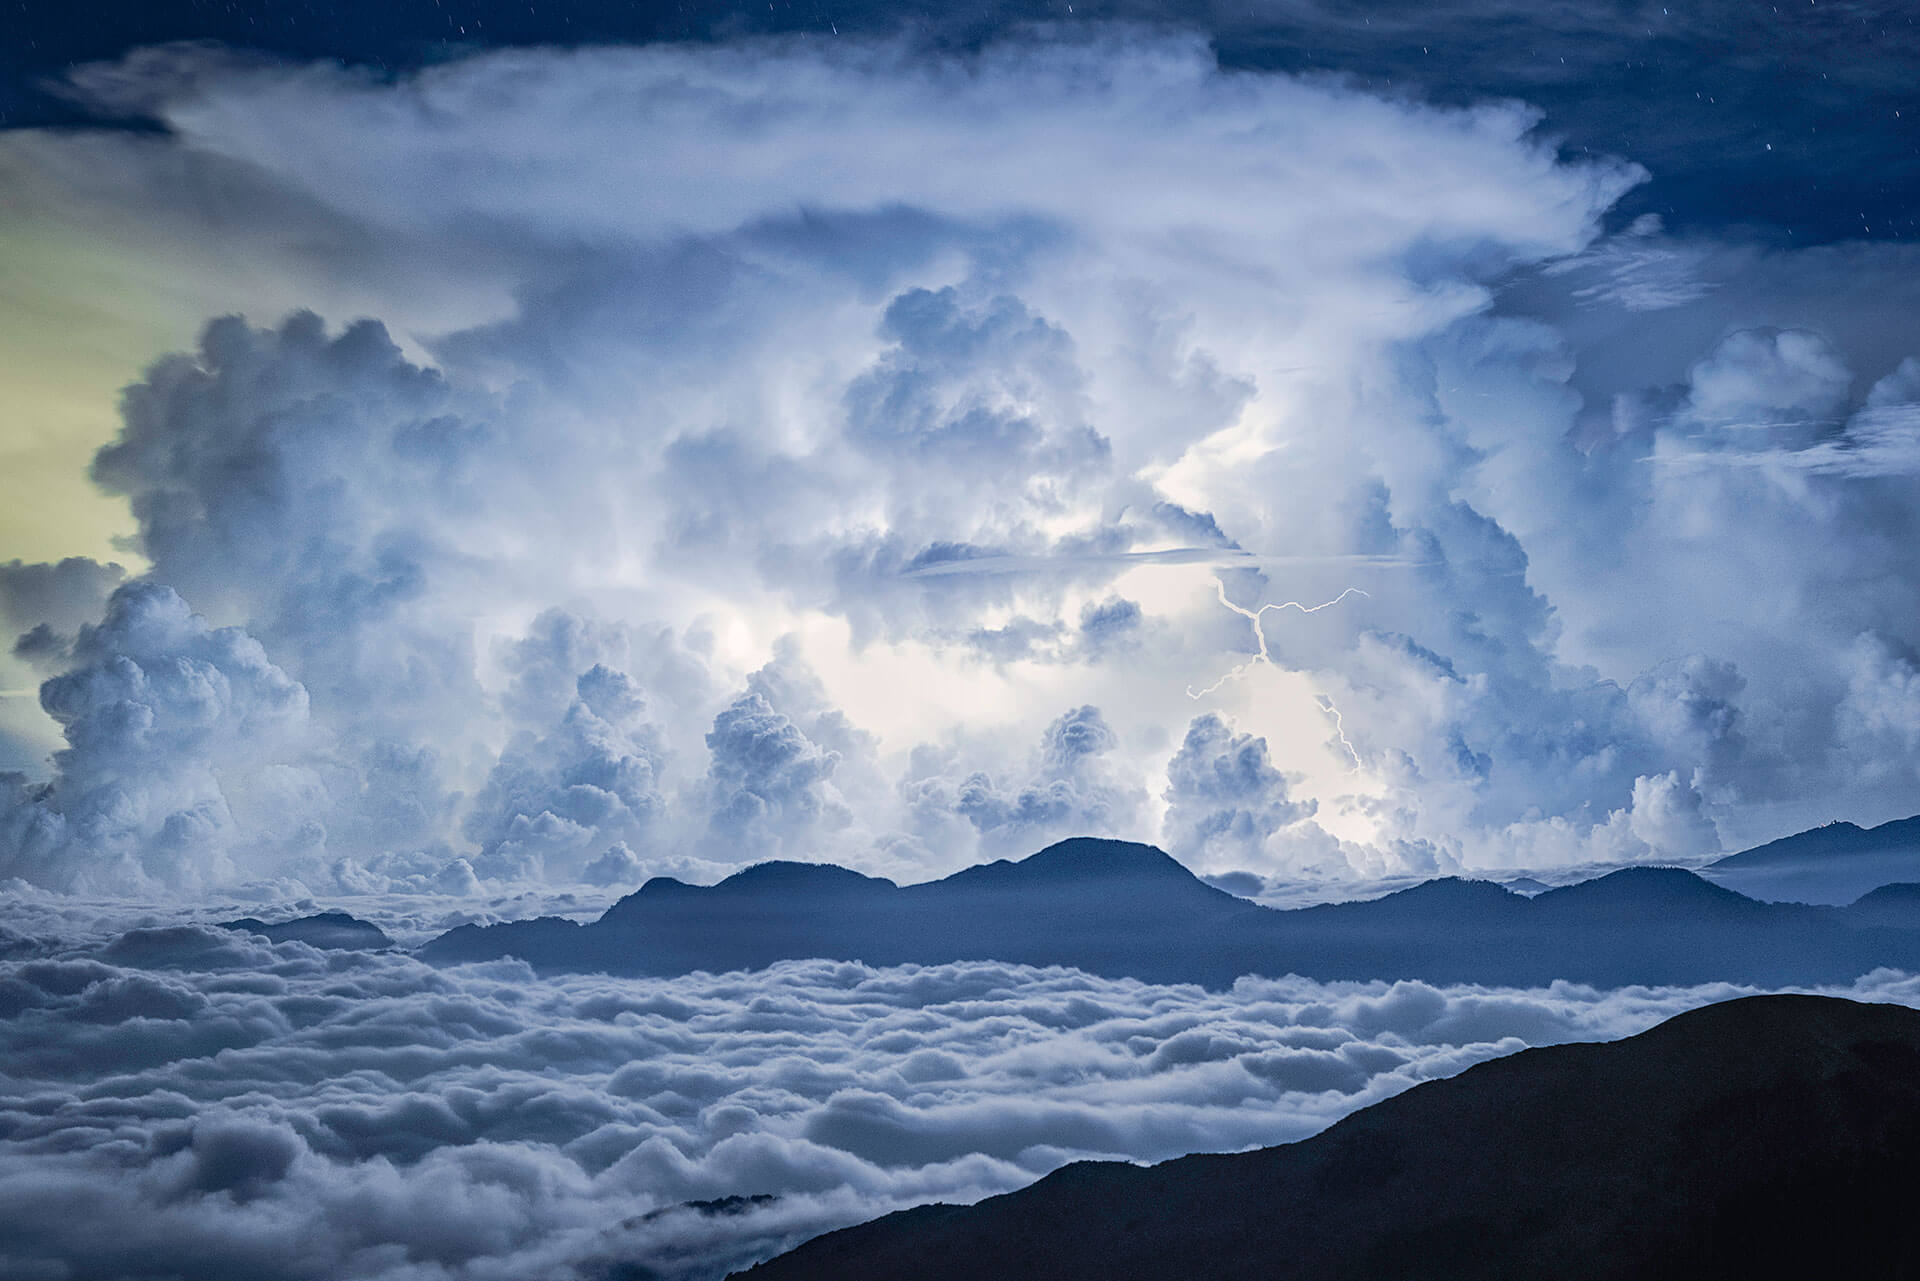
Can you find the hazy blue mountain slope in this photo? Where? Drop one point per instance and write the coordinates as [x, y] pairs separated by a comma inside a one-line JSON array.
[[1833, 864]]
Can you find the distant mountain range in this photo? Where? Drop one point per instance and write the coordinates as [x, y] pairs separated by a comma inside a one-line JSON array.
[[1122, 909], [1836, 863], [1775, 1136], [326, 929]]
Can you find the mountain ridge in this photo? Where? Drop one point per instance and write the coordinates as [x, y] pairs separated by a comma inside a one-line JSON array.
[[330, 930], [1838, 837], [1832, 864], [1128, 910]]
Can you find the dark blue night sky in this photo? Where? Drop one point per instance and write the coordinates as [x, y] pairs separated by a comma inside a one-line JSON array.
[[1778, 118]]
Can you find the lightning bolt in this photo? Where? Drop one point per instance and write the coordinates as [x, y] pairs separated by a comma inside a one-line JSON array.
[[1255, 616], [1339, 728], [1260, 631]]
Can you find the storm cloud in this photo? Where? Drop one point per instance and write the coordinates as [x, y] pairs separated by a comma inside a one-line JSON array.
[[627, 537]]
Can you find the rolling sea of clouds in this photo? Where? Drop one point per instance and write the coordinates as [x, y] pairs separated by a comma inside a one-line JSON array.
[[172, 1092]]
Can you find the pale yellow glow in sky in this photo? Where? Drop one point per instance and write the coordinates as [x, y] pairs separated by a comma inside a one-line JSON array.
[[77, 323], [75, 327]]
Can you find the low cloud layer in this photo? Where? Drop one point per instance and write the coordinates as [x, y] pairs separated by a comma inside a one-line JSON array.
[[874, 491], [274, 1112]]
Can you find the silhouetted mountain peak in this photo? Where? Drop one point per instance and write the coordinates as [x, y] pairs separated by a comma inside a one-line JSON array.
[[1903, 892], [1896, 906], [1089, 871], [323, 929], [782, 877], [663, 887], [1833, 864], [1450, 893], [1839, 839], [776, 882], [1645, 889], [658, 889], [1091, 858], [1793, 1019]]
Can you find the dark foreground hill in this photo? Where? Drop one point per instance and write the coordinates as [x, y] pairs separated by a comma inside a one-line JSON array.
[[1775, 1136], [1836, 863], [1127, 910]]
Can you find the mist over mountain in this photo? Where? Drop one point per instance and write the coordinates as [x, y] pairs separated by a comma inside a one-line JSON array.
[[1770, 1136], [1834, 863], [1127, 910]]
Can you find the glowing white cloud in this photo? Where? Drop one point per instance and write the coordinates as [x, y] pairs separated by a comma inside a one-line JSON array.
[[912, 399]]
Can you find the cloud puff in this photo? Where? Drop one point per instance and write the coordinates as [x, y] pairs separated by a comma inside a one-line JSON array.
[[550, 800], [1879, 717], [1069, 788], [767, 774], [992, 387], [272, 1111], [1778, 388], [1224, 797], [43, 605], [160, 713]]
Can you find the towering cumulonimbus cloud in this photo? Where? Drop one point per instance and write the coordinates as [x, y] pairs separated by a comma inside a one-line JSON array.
[[1225, 799], [1070, 787], [553, 801], [173, 729], [786, 506]]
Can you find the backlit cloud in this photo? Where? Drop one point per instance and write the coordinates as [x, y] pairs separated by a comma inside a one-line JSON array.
[[759, 448]]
